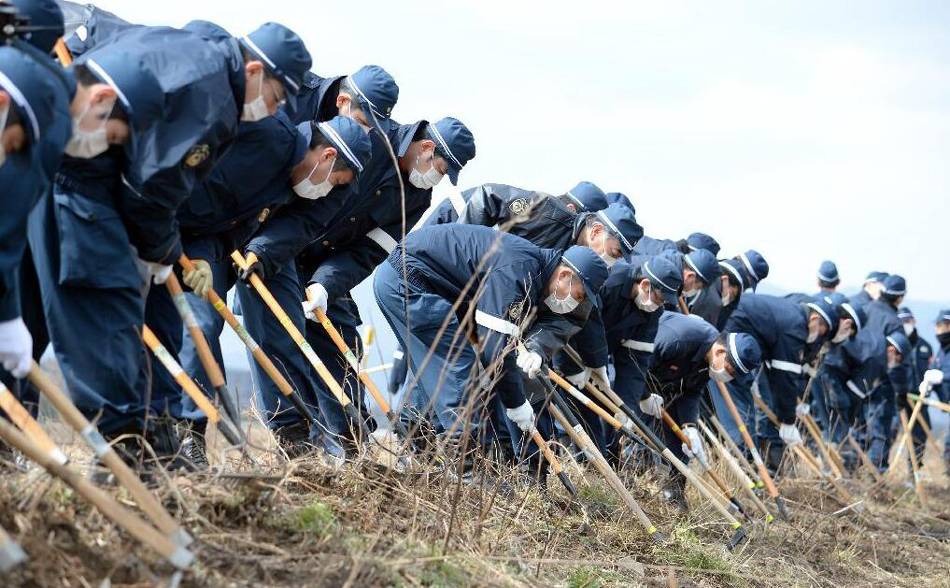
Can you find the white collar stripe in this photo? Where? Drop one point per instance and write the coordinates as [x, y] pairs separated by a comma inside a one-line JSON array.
[[22, 102], [445, 146], [341, 144], [646, 268], [614, 229], [108, 79], [734, 351]]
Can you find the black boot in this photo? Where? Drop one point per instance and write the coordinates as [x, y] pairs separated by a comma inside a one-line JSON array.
[[675, 491], [193, 448], [166, 445], [295, 439]]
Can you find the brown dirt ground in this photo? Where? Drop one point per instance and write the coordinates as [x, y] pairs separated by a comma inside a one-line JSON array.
[[312, 525]]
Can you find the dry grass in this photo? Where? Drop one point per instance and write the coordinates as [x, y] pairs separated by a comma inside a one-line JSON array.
[[365, 526]]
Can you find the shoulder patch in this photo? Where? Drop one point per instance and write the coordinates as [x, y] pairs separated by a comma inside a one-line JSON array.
[[263, 215], [518, 205], [196, 155], [922, 349], [515, 310]]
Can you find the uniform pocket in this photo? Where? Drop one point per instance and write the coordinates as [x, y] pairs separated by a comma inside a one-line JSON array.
[[94, 248]]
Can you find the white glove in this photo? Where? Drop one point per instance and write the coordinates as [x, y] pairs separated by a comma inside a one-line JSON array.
[[789, 434], [933, 377], [802, 409], [199, 279], [157, 272], [523, 416], [16, 347], [601, 373], [579, 380], [696, 442], [652, 406], [318, 299], [530, 363]]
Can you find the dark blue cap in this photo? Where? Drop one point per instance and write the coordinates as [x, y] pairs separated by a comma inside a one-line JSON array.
[[587, 197], [42, 13], [622, 224], [875, 277], [664, 276], [350, 141], [733, 268], [943, 316], [828, 273], [854, 312], [454, 143], [620, 198], [705, 264], [697, 241], [139, 92], [755, 267], [589, 267], [905, 314], [900, 341], [744, 352], [377, 93], [828, 313], [834, 298], [283, 53], [894, 286], [31, 88]]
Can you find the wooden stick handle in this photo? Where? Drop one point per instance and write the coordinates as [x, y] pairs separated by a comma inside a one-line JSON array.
[[265, 362], [22, 419], [175, 554], [912, 456], [123, 473], [210, 365], [763, 472], [865, 459], [351, 359], [292, 330]]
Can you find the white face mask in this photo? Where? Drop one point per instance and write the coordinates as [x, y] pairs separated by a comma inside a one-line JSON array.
[[88, 145], [562, 306], [908, 329], [3, 125], [256, 109], [892, 364], [841, 337], [812, 333], [644, 301], [604, 256], [425, 181], [726, 296], [691, 293], [307, 189], [720, 375]]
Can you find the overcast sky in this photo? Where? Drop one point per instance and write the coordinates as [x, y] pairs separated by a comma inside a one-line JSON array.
[[806, 130]]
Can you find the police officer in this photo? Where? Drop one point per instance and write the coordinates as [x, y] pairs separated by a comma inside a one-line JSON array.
[[273, 164], [787, 332], [851, 369], [942, 363], [505, 282], [828, 278], [651, 246], [35, 95], [688, 352], [182, 97], [368, 94], [624, 328], [700, 271], [871, 290], [891, 396], [922, 355]]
